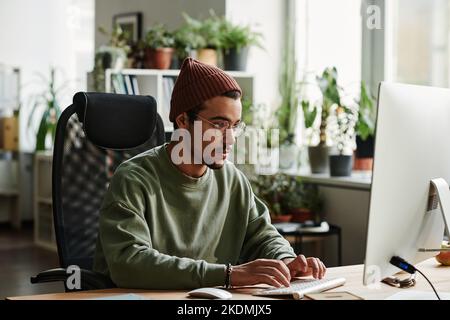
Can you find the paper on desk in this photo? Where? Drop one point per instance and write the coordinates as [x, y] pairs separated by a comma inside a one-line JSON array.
[[128, 296], [418, 295]]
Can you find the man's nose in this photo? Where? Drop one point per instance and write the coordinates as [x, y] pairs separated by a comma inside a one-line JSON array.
[[230, 137]]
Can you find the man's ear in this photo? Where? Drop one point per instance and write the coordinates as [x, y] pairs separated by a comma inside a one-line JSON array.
[[182, 121]]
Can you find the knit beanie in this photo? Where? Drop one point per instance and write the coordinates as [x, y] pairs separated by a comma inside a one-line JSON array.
[[196, 83]]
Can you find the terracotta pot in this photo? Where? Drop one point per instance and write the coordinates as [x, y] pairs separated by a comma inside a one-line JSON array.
[[282, 218], [159, 58], [208, 56], [363, 164], [301, 215]]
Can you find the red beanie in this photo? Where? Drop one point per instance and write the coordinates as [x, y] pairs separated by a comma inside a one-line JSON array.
[[196, 83]]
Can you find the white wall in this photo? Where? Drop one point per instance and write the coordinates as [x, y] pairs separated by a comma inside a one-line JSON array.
[[267, 17], [38, 34]]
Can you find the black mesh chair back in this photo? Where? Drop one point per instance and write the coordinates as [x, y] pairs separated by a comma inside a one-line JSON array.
[[94, 135]]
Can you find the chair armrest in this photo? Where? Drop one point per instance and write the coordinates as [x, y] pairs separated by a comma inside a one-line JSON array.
[[90, 280]]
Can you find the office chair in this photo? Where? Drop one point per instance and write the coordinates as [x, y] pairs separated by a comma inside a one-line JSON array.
[[93, 136]]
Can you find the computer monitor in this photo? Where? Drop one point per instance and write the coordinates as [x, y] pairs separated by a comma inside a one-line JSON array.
[[412, 147]]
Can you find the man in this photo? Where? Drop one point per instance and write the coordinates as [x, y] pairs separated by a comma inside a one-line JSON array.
[[171, 224]]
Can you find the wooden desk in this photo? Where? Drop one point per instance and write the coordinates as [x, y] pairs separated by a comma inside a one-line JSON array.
[[438, 275]]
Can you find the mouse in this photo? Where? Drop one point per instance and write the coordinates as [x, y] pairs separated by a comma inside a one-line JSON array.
[[210, 293]]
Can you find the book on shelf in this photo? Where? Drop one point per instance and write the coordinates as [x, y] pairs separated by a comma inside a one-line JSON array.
[[168, 84], [128, 84], [135, 84]]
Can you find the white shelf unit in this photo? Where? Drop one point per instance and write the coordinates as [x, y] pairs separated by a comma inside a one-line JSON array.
[[152, 82], [10, 196], [44, 231]]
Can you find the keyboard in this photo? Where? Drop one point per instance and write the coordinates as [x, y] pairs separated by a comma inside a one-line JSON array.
[[299, 288]]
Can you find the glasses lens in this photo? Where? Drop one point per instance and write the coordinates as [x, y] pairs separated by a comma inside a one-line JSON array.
[[239, 129]]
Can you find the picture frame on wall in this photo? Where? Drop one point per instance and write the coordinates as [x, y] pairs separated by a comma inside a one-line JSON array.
[[130, 22]]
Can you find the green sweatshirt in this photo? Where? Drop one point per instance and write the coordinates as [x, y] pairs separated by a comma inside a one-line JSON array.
[[161, 229]]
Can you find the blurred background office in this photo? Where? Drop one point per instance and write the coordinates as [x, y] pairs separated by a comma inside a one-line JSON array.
[[309, 68]]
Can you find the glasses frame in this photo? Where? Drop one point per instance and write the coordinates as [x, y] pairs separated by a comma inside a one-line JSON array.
[[238, 130]]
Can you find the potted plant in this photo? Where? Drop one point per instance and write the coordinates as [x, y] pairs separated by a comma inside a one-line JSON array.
[[303, 201], [185, 41], [266, 134], [46, 102], [287, 112], [235, 42], [310, 113], [365, 130], [159, 47], [208, 40], [341, 128], [270, 189], [318, 155], [114, 55]]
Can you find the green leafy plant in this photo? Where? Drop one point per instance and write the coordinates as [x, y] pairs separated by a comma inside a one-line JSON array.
[[185, 40], [365, 127], [330, 91], [281, 193], [207, 31], [302, 195], [247, 111], [233, 36], [46, 102], [159, 37], [118, 38], [309, 117], [287, 112], [270, 189]]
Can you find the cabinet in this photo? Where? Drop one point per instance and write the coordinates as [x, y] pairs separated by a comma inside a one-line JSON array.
[[159, 84], [10, 196], [44, 231]]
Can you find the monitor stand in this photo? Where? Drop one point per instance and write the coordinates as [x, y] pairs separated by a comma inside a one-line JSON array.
[[439, 195]]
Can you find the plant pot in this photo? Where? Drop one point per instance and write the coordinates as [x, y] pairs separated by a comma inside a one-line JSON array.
[[340, 165], [281, 218], [301, 215], [159, 58], [363, 164], [208, 56], [288, 156], [318, 159], [235, 60], [365, 149]]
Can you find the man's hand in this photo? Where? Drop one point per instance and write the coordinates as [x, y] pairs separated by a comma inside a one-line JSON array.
[[271, 272], [302, 267]]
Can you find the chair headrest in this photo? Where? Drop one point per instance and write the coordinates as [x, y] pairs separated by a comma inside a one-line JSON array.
[[116, 121]]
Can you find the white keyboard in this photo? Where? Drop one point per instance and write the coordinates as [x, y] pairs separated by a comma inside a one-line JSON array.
[[299, 288]]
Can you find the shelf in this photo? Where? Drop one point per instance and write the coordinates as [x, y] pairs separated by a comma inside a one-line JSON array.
[[169, 72], [359, 180], [45, 200]]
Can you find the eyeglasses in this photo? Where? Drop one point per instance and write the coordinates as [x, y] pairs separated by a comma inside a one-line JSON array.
[[223, 125]]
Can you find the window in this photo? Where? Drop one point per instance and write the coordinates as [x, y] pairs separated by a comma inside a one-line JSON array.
[[329, 34], [420, 42]]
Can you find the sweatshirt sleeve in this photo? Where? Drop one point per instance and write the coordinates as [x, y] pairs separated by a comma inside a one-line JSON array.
[[127, 247], [262, 240]]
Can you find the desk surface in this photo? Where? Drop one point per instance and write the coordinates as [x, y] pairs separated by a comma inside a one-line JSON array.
[[438, 275]]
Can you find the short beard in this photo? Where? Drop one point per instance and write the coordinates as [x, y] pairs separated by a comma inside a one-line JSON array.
[[215, 166]]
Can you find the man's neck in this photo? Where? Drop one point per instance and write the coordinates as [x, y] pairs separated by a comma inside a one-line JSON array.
[[191, 170]]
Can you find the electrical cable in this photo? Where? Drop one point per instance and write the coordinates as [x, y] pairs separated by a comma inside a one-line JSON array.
[[406, 266]]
